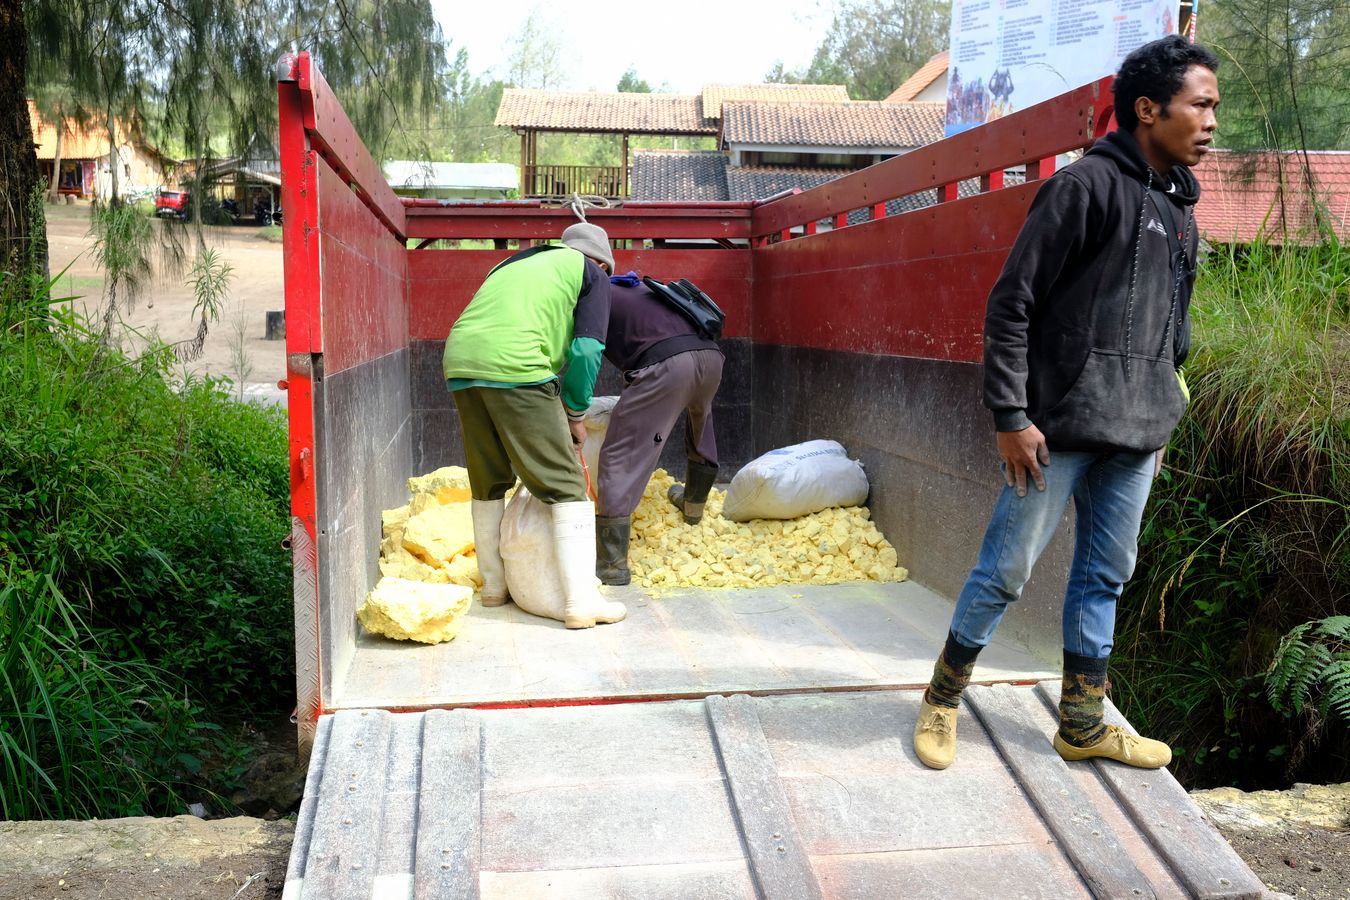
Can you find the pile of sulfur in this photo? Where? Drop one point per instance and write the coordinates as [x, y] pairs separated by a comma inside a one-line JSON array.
[[827, 547], [427, 564], [431, 540]]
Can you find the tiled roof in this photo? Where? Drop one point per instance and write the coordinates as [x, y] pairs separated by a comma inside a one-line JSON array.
[[1240, 194], [759, 182], [928, 73], [594, 111], [860, 123], [679, 175], [76, 143], [704, 175], [717, 95]]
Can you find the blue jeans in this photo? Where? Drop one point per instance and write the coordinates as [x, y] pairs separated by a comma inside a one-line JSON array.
[[1109, 491]]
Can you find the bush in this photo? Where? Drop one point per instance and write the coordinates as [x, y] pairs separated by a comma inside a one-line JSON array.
[[1247, 536], [140, 536]]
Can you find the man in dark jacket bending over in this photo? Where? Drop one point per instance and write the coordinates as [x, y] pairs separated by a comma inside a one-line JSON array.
[[667, 369], [1084, 333]]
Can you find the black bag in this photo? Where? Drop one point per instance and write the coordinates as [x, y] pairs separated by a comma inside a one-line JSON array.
[[685, 298]]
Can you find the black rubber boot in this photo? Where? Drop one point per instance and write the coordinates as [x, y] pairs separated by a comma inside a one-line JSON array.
[[611, 549], [690, 496]]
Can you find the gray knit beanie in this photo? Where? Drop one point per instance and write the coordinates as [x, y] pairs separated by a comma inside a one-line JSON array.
[[590, 240]]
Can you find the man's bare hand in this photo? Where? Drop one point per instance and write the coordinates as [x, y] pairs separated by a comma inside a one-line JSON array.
[[1023, 451], [578, 428]]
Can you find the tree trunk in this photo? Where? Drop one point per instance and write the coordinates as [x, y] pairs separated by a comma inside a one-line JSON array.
[[54, 189], [18, 157]]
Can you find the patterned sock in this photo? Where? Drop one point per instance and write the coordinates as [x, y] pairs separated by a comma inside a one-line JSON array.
[[951, 674], [1082, 700]]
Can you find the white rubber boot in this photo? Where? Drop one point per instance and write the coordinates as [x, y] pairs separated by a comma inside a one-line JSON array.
[[574, 542], [487, 539]]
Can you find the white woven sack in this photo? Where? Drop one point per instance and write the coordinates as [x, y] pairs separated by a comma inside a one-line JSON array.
[[795, 481], [528, 555], [597, 425]]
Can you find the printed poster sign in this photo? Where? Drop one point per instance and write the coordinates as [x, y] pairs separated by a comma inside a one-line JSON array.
[[1007, 55]]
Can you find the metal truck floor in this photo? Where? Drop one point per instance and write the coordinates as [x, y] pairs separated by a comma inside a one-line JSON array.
[[680, 644], [790, 796]]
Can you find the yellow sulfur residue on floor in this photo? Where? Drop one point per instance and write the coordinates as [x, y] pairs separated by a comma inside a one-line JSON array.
[[415, 610], [827, 547]]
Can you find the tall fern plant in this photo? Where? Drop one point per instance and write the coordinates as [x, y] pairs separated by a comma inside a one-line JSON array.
[[1310, 673]]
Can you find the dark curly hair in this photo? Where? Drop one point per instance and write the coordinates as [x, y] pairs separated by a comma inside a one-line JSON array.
[[1156, 71]]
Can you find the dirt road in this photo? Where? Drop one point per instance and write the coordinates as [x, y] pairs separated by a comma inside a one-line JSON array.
[[235, 347]]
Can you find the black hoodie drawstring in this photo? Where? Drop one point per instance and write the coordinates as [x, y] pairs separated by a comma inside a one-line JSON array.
[[1134, 270], [1183, 264]]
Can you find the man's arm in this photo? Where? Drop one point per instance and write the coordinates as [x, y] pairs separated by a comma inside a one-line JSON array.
[[1053, 233], [590, 321]]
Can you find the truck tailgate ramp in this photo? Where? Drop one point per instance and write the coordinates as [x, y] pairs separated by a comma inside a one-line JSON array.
[[793, 796]]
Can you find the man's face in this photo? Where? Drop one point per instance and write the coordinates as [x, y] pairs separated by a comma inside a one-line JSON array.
[[1181, 133]]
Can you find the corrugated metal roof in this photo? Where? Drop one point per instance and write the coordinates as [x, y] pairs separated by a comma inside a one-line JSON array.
[[859, 123], [595, 111], [914, 85], [409, 173], [1243, 195]]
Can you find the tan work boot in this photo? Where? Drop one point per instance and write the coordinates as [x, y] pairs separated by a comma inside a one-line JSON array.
[[1120, 745], [487, 539], [935, 735]]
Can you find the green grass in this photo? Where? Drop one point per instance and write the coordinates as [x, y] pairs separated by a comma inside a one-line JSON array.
[[271, 233], [1247, 536]]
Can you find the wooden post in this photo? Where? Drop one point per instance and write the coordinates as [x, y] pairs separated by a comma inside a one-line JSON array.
[[623, 173], [524, 164]]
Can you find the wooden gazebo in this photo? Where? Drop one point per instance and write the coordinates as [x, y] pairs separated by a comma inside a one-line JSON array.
[[532, 112]]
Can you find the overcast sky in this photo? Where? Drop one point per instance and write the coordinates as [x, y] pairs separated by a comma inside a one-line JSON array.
[[682, 44]]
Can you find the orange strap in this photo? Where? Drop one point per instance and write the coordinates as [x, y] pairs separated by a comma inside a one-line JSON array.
[[585, 470]]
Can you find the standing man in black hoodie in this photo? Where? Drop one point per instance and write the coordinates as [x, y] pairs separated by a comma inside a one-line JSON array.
[[1083, 336]]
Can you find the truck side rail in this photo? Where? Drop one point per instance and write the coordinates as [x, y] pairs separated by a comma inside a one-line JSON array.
[[1031, 137], [346, 370]]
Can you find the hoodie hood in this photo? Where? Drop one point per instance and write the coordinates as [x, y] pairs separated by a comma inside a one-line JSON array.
[[1121, 147]]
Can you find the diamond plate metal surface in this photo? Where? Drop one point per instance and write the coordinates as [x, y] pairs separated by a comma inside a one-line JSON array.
[[307, 657]]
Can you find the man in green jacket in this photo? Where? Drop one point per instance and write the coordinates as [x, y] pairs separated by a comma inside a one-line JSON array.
[[539, 310]]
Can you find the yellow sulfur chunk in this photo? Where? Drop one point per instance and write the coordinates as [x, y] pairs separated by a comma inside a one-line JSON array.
[[438, 533], [445, 477], [394, 519], [402, 564], [415, 611], [446, 494], [464, 570]]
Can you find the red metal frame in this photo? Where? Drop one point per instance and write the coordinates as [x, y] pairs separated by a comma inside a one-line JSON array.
[[1031, 137], [912, 284]]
